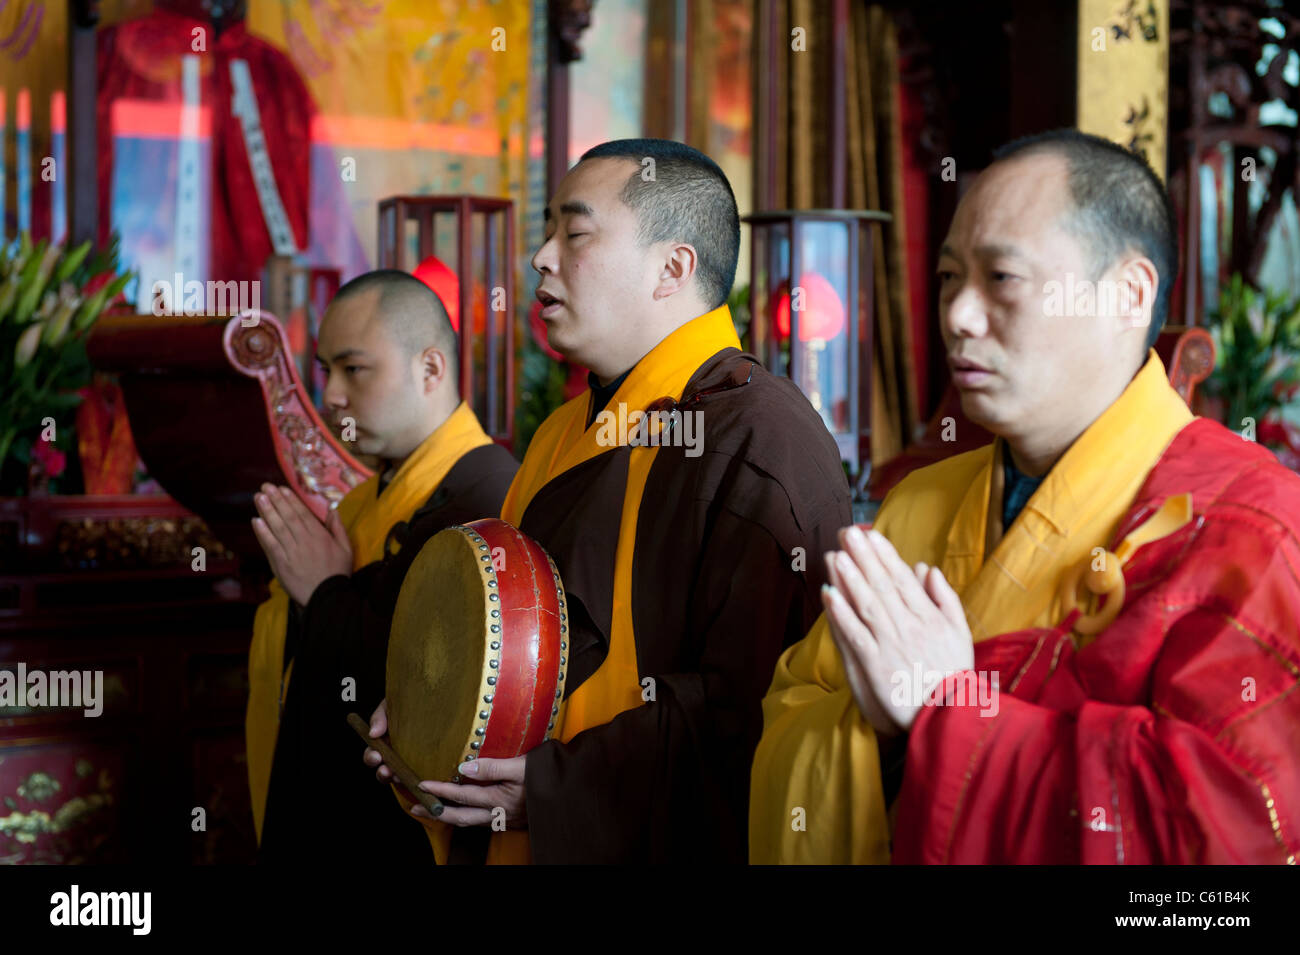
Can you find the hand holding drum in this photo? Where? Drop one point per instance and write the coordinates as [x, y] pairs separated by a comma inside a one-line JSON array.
[[477, 654]]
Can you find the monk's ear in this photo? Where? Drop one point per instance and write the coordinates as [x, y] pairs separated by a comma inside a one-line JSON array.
[[433, 369], [1135, 300], [678, 267]]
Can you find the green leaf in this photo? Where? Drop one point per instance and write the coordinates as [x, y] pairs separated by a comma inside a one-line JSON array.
[[70, 263]]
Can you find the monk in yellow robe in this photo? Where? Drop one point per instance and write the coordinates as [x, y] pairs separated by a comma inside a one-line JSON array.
[[320, 641], [681, 540], [1079, 643]]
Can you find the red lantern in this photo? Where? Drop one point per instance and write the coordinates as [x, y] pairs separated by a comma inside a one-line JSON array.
[[445, 284], [822, 314]]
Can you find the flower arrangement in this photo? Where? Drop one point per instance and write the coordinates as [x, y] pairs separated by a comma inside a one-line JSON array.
[[50, 296], [1257, 373]]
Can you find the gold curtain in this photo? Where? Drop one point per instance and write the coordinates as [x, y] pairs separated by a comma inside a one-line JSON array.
[[802, 85]]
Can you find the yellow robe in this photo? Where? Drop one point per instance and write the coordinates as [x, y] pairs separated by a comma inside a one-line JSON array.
[[562, 442], [368, 516], [817, 753]]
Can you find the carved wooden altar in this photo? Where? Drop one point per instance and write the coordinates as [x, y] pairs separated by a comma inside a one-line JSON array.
[[217, 408], [158, 596]]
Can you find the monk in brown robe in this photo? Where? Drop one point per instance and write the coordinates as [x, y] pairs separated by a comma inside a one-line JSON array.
[[321, 641], [689, 550]]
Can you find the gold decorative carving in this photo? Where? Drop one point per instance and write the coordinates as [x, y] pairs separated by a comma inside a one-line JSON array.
[[121, 543]]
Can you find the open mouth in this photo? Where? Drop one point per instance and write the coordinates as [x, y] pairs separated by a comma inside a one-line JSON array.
[[550, 304], [968, 374]]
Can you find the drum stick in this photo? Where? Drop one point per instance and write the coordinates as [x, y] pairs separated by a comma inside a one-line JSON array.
[[394, 762]]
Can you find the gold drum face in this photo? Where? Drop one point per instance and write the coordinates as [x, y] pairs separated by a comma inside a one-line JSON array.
[[478, 649]]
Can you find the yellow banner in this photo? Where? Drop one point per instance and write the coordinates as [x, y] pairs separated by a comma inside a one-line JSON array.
[[1123, 81]]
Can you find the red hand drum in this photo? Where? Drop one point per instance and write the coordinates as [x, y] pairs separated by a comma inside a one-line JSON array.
[[478, 649]]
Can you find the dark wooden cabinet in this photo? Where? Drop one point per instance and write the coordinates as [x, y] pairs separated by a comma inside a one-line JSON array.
[[109, 586]]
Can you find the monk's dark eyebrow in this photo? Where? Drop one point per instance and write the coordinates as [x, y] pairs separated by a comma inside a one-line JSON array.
[[574, 207], [999, 250], [346, 353], [991, 251]]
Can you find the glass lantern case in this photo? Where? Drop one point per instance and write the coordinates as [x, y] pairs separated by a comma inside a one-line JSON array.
[[811, 311]]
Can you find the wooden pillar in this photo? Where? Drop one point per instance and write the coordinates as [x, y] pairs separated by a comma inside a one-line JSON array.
[[838, 145], [566, 21], [82, 179]]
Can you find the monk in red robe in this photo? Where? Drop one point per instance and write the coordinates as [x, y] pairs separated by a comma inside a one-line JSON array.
[[1079, 643]]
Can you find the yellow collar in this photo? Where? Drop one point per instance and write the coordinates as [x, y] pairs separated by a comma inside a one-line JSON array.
[[1076, 508], [564, 440], [368, 515]]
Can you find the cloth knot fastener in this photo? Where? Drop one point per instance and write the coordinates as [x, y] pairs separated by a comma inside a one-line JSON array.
[[1103, 574]]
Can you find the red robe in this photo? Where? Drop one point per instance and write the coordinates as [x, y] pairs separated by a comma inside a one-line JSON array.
[[140, 60], [1174, 737]]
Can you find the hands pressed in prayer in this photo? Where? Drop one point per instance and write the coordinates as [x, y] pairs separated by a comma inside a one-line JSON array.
[[302, 551], [498, 783], [886, 618]]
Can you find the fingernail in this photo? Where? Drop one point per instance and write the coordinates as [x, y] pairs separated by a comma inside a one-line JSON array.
[[468, 768], [876, 536], [855, 536], [424, 787]]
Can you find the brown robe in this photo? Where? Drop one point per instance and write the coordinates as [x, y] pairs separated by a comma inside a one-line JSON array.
[[324, 804], [716, 598]]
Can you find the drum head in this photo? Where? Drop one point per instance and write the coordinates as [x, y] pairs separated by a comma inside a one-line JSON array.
[[437, 653]]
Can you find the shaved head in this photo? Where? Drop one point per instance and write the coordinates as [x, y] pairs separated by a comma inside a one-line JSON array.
[[688, 199], [389, 354], [410, 311]]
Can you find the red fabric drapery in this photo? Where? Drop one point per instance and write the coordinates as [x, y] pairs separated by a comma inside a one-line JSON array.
[[141, 60]]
